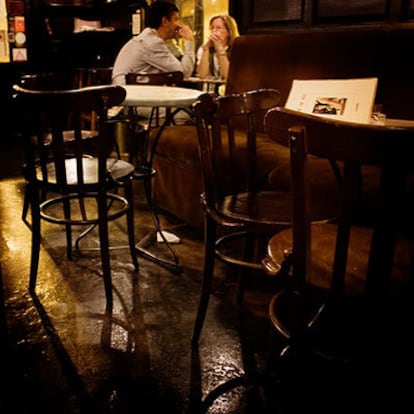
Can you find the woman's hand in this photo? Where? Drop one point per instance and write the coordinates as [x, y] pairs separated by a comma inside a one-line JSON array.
[[217, 41]]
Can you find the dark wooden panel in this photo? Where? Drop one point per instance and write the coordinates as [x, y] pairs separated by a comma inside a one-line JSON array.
[[261, 16], [356, 11], [273, 10], [338, 8]]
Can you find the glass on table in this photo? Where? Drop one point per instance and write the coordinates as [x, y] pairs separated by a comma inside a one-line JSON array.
[[377, 115]]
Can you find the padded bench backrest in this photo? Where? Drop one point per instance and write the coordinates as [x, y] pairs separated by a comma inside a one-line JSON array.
[[275, 60], [396, 78]]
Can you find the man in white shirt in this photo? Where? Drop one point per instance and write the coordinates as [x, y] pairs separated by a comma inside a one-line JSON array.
[[148, 52]]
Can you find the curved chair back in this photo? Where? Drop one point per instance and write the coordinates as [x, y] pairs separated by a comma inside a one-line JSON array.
[[49, 81], [226, 128], [47, 108], [174, 78], [73, 78]]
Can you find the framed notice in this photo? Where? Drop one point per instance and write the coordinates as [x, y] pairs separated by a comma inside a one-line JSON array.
[[346, 99]]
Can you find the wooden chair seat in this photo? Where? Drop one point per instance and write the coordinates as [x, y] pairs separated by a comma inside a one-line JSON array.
[[323, 252]]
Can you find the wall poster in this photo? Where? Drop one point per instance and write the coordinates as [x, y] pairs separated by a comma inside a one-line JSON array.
[[16, 30], [4, 41]]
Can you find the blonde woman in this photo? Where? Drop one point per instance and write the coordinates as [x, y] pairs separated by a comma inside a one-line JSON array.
[[213, 55]]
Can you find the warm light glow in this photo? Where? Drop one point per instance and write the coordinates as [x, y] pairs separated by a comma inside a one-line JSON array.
[[210, 7], [16, 259]]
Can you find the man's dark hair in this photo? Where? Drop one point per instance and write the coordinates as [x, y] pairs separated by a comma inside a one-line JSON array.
[[158, 10]]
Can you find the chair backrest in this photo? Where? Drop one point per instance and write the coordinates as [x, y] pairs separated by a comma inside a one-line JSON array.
[[163, 78], [91, 76], [48, 116], [67, 79], [387, 147], [73, 78], [49, 81], [226, 127]]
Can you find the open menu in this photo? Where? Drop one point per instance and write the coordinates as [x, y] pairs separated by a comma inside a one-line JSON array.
[[346, 99]]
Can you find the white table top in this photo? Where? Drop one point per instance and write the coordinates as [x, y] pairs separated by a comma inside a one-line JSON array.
[[150, 95]]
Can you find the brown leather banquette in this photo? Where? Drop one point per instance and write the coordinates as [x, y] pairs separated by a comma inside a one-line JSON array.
[[274, 60]]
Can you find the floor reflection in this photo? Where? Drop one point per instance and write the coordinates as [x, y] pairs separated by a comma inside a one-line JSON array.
[[64, 353]]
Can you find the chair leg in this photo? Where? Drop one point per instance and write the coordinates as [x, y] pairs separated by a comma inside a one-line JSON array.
[[209, 261], [248, 256], [156, 220], [25, 206], [130, 223], [68, 228], [35, 248], [105, 256]]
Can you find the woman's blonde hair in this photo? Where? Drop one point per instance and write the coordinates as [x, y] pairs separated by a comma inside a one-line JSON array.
[[231, 26]]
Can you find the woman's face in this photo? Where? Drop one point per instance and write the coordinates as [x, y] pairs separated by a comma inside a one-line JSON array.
[[217, 26]]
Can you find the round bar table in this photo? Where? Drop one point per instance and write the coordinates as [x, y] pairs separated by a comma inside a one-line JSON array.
[[151, 96]]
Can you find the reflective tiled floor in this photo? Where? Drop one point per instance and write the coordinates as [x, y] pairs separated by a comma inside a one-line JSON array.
[[60, 354]]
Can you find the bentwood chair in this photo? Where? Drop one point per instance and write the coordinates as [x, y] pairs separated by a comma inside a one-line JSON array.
[[348, 285], [240, 214], [74, 188], [74, 79]]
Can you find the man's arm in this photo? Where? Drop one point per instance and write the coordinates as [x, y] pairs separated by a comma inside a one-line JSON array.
[[188, 60]]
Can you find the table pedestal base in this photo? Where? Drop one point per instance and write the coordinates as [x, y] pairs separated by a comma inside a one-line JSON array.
[[151, 237]]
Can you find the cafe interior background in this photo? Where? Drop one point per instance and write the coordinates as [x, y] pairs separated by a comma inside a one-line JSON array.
[[42, 35], [39, 34]]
